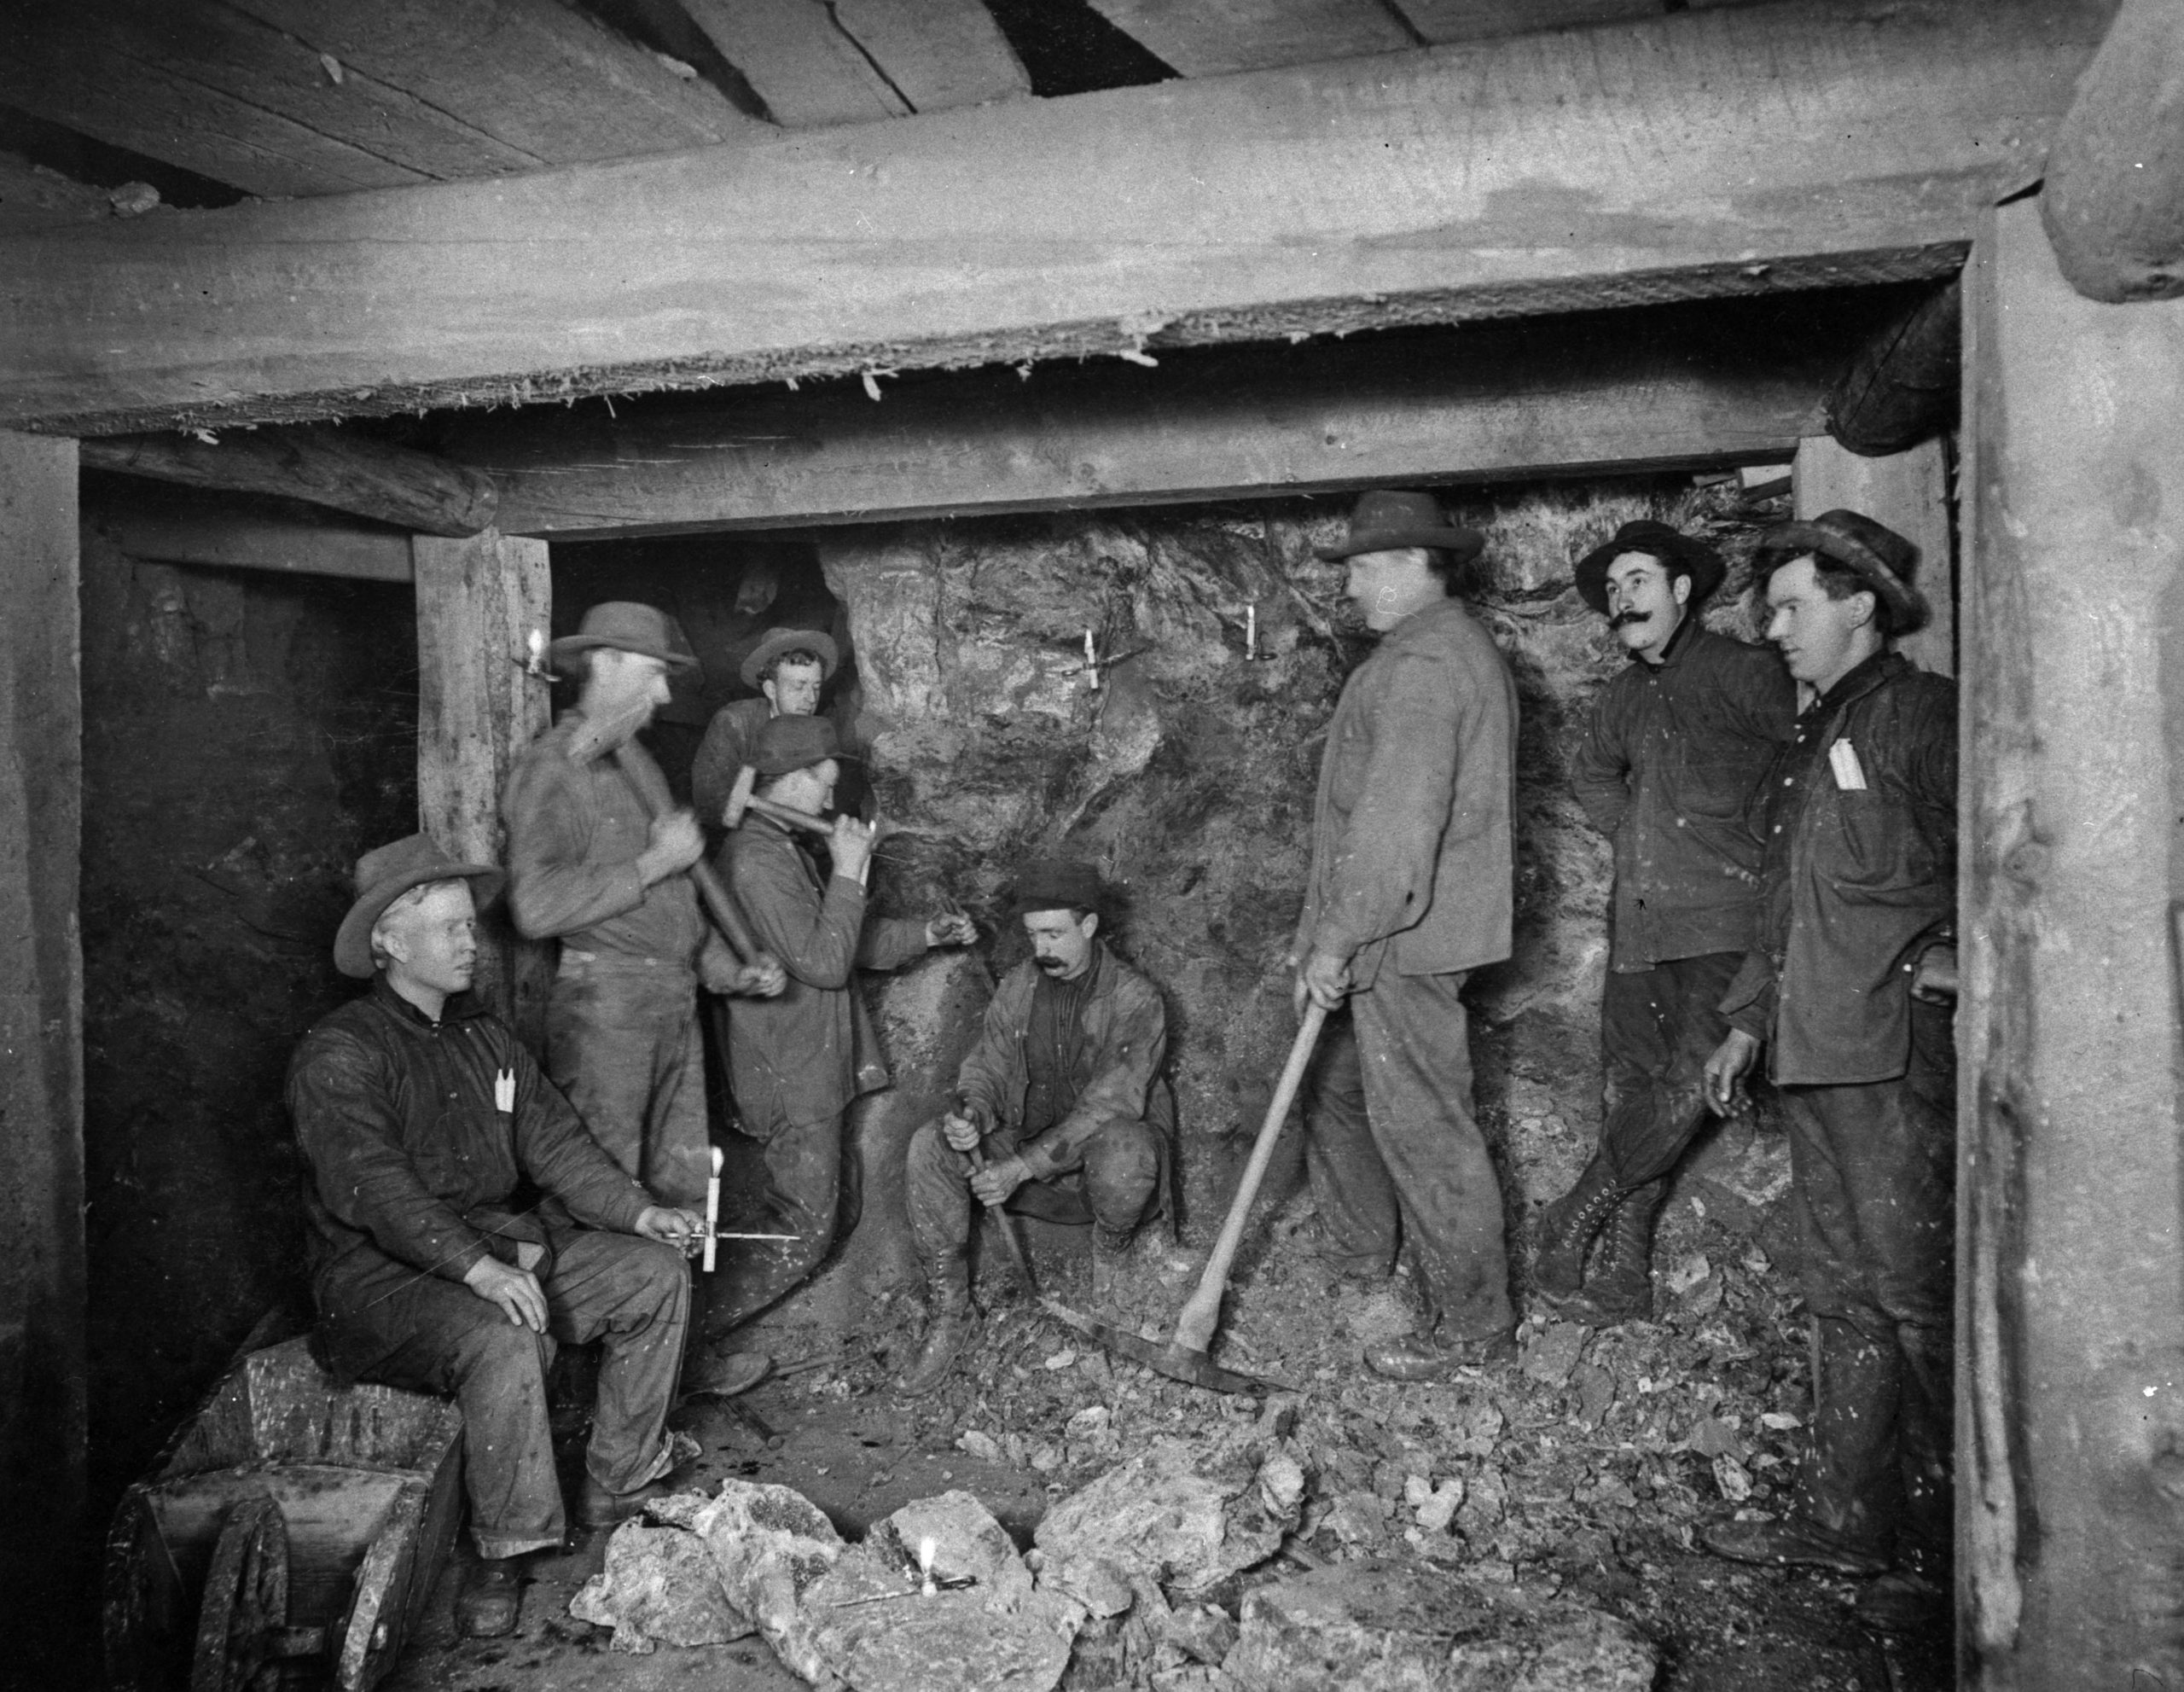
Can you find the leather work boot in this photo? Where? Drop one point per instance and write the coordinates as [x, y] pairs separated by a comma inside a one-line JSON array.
[[1110, 1251], [487, 1608], [950, 1320], [1566, 1229], [1621, 1286], [1427, 1356]]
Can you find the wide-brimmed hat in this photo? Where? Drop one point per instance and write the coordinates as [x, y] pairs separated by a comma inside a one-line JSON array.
[[1385, 520], [1680, 554], [383, 876], [1879, 556], [626, 626], [787, 743], [1057, 884], [778, 641]]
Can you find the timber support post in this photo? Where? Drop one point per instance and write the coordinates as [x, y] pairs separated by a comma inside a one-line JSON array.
[[1909, 492], [478, 602], [43, 1338], [2070, 1296]]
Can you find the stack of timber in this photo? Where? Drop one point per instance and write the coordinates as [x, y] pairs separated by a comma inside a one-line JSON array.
[[293, 1521]]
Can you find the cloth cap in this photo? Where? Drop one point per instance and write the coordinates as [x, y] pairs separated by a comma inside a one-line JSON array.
[[626, 626], [383, 876], [778, 641], [1384, 520], [1680, 554], [787, 743], [1056, 884], [1879, 556]]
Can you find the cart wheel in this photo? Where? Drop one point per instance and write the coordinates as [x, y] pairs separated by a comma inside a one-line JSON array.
[[246, 1609]]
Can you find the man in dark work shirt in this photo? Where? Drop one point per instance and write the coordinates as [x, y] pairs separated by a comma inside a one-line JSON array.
[[1061, 1110]]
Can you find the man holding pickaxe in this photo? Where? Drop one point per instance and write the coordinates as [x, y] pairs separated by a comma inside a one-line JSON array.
[[598, 858], [799, 1060]]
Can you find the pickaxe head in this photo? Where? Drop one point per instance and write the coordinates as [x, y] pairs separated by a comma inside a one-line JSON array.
[[739, 798]]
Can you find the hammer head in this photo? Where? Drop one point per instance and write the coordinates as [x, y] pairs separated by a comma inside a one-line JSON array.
[[739, 798]]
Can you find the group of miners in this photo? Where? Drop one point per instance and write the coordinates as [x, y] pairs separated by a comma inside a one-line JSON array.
[[1783, 825]]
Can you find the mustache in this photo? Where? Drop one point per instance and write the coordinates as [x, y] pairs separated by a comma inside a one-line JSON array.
[[1623, 619], [1051, 965]]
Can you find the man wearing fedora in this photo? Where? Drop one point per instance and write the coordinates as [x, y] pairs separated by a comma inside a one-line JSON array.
[[798, 1061], [1676, 745], [787, 670], [1060, 1108], [1848, 987], [418, 1113], [1410, 890]]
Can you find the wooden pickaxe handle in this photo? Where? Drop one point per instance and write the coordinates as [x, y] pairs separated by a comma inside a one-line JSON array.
[[652, 793], [1008, 1225]]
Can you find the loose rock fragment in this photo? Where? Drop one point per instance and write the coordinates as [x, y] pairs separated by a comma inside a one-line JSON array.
[[771, 1546], [659, 1587]]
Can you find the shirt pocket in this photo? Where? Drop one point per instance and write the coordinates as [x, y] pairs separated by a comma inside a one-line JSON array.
[[1882, 855]]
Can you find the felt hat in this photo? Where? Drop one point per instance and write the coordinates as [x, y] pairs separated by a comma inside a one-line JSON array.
[[1679, 553], [1875, 553], [1385, 520], [787, 743], [383, 876], [778, 641], [1057, 884], [626, 626]]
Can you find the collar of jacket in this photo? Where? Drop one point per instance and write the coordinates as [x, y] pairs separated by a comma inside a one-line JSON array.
[[460, 1007], [1883, 666], [1679, 642], [1423, 620], [1092, 978]]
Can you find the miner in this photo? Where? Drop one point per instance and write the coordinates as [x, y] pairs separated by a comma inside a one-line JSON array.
[[787, 670], [418, 1113], [1410, 890], [1061, 1109], [799, 1060], [1676, 745], [598, 860], [1848, 987]]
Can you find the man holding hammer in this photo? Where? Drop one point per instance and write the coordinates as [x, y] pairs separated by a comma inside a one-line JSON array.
[[598, 861]]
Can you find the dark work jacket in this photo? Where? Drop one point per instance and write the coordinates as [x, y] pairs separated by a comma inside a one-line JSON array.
[[1413, 843], [1854, 884], [408, 1153], [1667, 770], [730, 739]]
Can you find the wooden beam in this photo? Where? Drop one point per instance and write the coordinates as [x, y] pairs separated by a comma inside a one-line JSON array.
[[1902, 388], [478, 602], [1677, 387], [937, 53], [1760, 150], [1448, 21], [189, 531], [42, 1268], [1909, 492], [798, 60], [2113, 201], [345, 471], [2069, 1275], [1211, 38]]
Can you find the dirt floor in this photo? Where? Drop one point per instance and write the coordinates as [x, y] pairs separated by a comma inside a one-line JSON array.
[[1584, 1466]]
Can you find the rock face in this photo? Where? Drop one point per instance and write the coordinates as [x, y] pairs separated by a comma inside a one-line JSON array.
[[1406, 1628], [770, 1546], [660, 1587]]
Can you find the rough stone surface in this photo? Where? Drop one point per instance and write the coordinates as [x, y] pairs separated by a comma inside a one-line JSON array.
[[772, 1546], [1407, 1628], [659, 1587]]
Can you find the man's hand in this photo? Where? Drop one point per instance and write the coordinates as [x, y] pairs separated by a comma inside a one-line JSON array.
[[950, 928], [1726, 1070], [515, 1292], [1934, 979], [675, 843], [763, 978], [680, 1229], [961, 1129], [996, 1181], [850, 847], [1324, 979]]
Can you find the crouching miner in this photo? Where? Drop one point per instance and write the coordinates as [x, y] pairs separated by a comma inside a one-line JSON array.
[[1061, 1110], [1848, 987], [418, 1115]]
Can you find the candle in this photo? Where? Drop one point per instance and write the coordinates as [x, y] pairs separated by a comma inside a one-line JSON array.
[[1091, 663], [1251, 630], [712, 1210], [926, 1549]]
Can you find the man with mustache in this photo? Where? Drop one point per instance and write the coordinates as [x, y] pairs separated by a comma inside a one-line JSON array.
[[1676, 744], [1060, 1111]]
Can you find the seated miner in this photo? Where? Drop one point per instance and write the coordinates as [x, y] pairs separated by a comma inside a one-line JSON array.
[[797, 1063], [787, 670], [1061, 1110], [420, 1115]]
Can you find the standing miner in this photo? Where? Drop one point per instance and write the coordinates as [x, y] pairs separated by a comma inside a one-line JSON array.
[[799, 1060], [418, 1113], [786, 669], [1676, 745], [1410, 890], [1061, 1109], [1848, 986], [592, 865]]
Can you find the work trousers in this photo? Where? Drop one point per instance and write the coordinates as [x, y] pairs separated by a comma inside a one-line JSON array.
[[1873, 1169], [1118, 1167], [434, 1335], [1395, 1156], [1658, 1028], [817, 1192], [623, 1045]]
